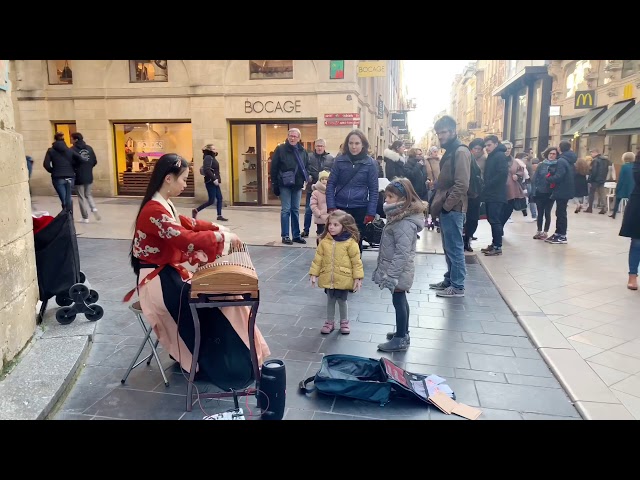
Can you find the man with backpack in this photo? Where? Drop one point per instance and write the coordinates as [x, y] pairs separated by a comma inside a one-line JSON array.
[[475, 189], [450, 205]]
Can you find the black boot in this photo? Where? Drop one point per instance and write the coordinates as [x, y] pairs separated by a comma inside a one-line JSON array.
[[467, 246], [396, 344]]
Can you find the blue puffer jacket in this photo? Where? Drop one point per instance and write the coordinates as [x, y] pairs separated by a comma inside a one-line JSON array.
[[359, 192]]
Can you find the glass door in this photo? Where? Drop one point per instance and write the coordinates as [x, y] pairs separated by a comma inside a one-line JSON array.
[[271, 135], [244, 164]]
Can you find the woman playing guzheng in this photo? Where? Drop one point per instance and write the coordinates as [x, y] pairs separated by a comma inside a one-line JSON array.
[[163, 241]]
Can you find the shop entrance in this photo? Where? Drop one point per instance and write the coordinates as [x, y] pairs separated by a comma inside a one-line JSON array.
[[252, 147]]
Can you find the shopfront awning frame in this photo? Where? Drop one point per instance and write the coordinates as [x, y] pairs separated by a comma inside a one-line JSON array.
[[601, 121], [584, 121], [627, 124]]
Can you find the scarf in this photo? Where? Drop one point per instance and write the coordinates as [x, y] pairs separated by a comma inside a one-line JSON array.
[[359, 156], [392, 210], [343, 236]]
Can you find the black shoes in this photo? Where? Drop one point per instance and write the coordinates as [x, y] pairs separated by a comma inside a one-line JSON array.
[[251, 150], [194, 212], [467, 248], [305, 233], [299, 240], [222, 219], [396, 344], [287, 241]]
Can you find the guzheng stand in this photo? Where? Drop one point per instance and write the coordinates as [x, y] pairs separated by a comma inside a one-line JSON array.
[[205, 300]]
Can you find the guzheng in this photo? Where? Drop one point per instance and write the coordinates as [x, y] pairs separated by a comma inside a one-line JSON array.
[[232, 273]]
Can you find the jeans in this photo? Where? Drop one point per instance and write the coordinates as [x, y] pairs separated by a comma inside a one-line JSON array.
[[401, 304], [473, 215], [507, 210], [561, 217], [533, 208], [215, 196], [545, 204], [451, 228], [290, 200], [63, 188], [85, 197], [308, 214], [494, 217], [358, 215], [634, 256]]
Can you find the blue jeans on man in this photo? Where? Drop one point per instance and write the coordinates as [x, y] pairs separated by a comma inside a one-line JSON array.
[[308, 214], [290, 200], [215, 196], [451, 228], [63, 187]]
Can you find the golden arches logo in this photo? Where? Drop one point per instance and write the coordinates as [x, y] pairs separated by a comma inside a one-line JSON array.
[[587, 100]]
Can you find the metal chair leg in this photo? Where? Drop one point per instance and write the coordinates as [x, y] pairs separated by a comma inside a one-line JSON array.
[[154, 352], [133, 362]]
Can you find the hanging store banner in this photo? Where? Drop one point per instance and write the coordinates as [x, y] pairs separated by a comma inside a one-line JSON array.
[[399, 120], [372, 69]]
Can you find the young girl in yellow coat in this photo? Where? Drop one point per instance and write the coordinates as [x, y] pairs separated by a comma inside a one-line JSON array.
[[337, 267]]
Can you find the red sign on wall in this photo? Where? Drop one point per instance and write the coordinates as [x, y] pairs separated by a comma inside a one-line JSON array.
[[342, 115], [339, 123]]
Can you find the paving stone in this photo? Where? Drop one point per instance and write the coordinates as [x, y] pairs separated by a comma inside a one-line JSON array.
[[523, 366], [525, 399]]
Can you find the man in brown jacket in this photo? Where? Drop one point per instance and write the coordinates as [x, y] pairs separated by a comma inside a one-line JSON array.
[[450, 205]]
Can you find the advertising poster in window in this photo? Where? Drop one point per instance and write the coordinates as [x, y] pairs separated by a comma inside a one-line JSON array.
[[336, 70]]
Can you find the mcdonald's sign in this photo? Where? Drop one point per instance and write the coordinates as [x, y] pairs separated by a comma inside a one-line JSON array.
[[628, 91], [584, 99]]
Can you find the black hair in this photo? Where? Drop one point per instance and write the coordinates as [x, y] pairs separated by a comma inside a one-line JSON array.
[[492, 139], [77, 136], [58, 136], [476, 142], [396, 145], [446, 122], [564, 146], [548, 150], [169, 163]]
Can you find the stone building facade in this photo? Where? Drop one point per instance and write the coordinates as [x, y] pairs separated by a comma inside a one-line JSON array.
[[133, 111], [18, 280]]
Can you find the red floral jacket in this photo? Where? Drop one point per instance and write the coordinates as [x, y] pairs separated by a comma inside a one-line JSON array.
[[159, 239]]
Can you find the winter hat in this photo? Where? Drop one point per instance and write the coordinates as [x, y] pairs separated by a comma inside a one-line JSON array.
[[323, 174]]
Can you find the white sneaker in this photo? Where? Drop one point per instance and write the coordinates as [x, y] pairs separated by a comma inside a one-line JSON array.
[[95, 212], [84, 220]]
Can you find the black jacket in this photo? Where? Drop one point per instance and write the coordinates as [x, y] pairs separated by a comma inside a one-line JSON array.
[[417, 175], [284, 160], [318, 163], [563, 178], [599, 170], [84, 170], [60, 161], [211, 168], [496, 169]]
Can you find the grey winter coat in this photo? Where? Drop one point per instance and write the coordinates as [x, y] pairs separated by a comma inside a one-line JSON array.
[[395, 269]]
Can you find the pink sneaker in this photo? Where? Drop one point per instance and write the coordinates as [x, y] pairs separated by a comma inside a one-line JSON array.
[[344, 327], [328, 327]]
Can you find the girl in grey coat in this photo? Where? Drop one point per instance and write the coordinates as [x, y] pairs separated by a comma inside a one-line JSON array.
[[395, 269]]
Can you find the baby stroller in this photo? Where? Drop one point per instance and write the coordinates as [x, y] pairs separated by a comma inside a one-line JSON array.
[[59, 275]]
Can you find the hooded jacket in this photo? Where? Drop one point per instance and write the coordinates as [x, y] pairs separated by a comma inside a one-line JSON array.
[[394, 164], [84, 170], [60, 161], [451, 192], [210, 167], [337, 263], [319, 203], [395, 268], [496, 169]]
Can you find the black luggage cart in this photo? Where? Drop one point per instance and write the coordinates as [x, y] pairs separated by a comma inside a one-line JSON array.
[[59, 275]]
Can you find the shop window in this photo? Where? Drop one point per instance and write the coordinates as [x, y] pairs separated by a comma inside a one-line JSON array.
[[148, 71], [67, 129], [261, 69], [60, 72], [629, 67], [139, 146]]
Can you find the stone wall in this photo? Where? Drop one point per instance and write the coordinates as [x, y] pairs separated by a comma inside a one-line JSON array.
[[18, 283]]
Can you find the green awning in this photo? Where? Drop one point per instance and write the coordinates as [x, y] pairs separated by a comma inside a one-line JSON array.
[[627, 124], [607, 116], [584, 121]]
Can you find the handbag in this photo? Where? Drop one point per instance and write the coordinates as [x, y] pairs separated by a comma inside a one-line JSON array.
[[289, 178], [519, 204]]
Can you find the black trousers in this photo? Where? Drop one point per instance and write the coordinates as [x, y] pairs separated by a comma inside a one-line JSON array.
[[358, 214], [494, 217], [401, 304], [473, 215], [561, 217], [544, 204]]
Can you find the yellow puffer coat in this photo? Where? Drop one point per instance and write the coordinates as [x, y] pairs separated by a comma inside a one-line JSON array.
[[337, 264]]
